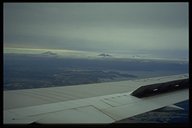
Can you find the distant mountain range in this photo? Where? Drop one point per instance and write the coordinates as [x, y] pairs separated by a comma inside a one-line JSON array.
[[49, 53], [105, 55]]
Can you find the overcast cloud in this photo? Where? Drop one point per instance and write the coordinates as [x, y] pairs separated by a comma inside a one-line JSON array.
[[109, 27]]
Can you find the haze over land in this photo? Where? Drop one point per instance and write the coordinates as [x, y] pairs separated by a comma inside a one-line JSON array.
[[91, 54], [48, 69]]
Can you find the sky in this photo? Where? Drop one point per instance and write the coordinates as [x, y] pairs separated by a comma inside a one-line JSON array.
[[107, 27]]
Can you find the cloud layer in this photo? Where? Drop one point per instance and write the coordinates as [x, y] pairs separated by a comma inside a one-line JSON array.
[[97, 26]]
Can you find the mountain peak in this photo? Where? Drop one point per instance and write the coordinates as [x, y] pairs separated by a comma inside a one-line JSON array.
[[49, 53], [105, 55]]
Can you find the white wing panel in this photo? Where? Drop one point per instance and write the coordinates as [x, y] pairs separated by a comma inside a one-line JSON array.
[[87, 114], [119, 100], [146, 104]]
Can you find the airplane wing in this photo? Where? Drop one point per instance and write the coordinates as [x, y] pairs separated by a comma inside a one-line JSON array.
[[93, 103]]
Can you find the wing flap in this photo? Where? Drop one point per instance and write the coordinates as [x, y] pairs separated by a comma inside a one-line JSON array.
[[145, 105]]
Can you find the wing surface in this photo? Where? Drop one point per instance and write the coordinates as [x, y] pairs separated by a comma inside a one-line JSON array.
[[93, 103]]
